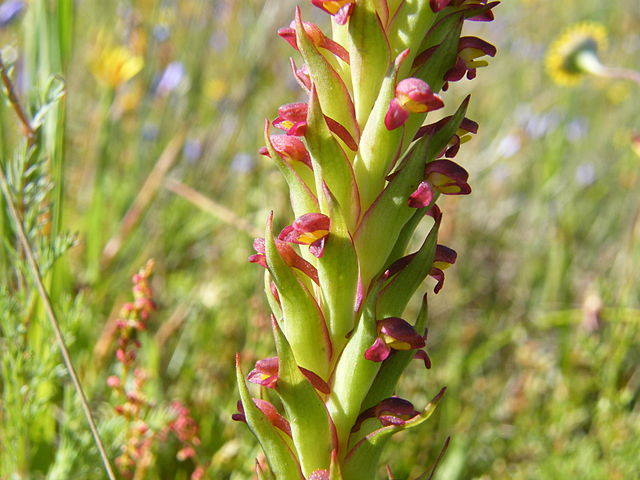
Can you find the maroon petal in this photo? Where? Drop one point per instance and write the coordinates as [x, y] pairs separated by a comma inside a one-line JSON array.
[[422, 355], [265, 373], [273, 415], [439, 276], [315, 380], [444, 257], [344, 13], [396, 115], [390, 411], [317, 247], [289, 148], [402, 333], [378, 352], [436, 213], [422, 196], [478, 44]]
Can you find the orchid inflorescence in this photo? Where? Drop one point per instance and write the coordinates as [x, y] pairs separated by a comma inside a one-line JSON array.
[[363, 169]]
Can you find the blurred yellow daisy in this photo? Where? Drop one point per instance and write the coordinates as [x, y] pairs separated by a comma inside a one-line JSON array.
[[113, 66], [575, 53]]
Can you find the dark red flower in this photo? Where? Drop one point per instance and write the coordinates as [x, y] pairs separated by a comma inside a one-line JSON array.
[[412, 96], [289, 148], [393, 334], [267, 371], [316, 36], [462, 135], [292, 118], [289, 256], [443, 259], [469, 50], [390, 411], [443, 176], [310, 229], [340, 9]]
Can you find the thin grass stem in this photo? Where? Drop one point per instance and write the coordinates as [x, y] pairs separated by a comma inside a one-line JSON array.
[[221, 212], [44, 296], [28, 130]]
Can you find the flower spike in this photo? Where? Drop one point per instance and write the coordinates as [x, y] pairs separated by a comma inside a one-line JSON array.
[[340, 340]]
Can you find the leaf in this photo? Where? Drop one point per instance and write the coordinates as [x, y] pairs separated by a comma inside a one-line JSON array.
[[332, 92], [407, 29], [406, 234], [442, 59], [330, 164], [370, 56], [53, 94], [396, 294], [303, 323], [354, 374], [273, 304], [280, 457], [302, 199], [378, 146], [338, 273], [310, 424]]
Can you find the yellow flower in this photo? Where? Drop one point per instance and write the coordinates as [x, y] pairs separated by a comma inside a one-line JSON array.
[[113, 66], [575, 52]]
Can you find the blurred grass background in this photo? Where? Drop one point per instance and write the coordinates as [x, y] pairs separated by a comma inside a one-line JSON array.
[[535, 334]]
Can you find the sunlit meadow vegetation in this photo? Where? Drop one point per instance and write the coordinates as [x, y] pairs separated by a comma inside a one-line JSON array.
[[148, 119]]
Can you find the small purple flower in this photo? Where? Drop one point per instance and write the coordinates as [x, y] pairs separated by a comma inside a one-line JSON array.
[[171, 78], [10, 11]]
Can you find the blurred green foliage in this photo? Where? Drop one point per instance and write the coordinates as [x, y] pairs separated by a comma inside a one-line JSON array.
[[535, 334]]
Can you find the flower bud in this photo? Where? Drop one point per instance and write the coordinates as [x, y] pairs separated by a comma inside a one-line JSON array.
[[289, 148]]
